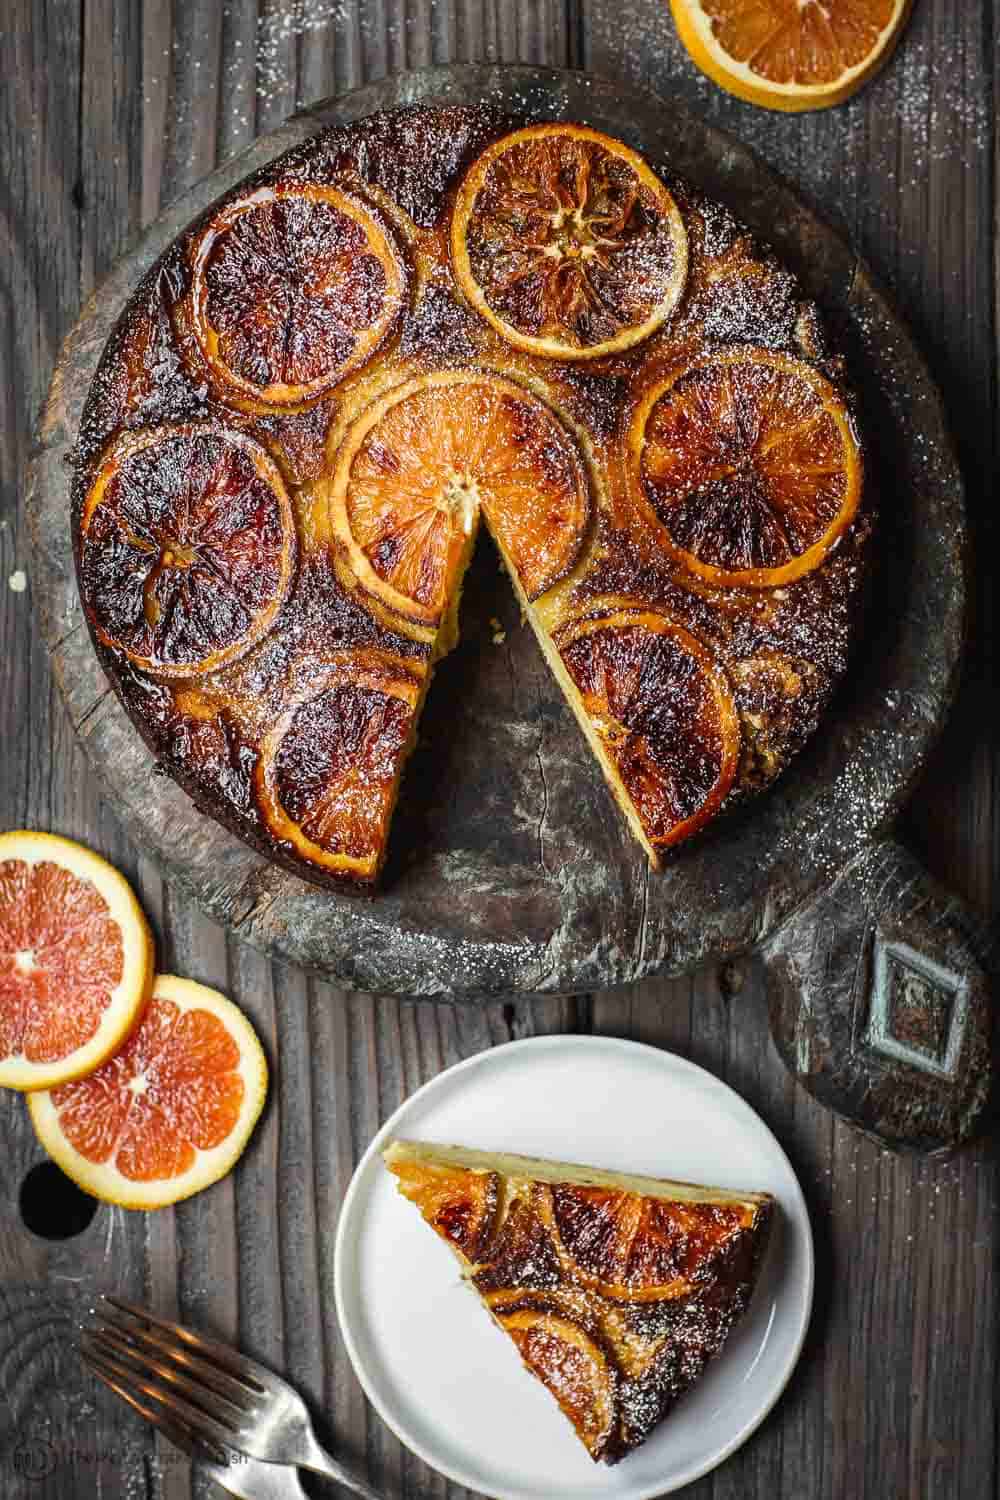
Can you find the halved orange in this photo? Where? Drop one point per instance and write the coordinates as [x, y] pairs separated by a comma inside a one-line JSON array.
[[187, 547], [747, 465], [76, 960], [329, 766], [168, 1114], [634, 1247], [293, 287], [567, 242], [790, 54], [414, 471], [660, 715]]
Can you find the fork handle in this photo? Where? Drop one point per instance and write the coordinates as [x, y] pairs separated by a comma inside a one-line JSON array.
[[321, 1462]]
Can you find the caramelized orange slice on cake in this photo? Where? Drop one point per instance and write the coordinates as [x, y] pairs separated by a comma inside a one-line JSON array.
[[415, 470], [571, 1366], [790, 54], [187, 547], [635, 1247], [170, 1112], [293, 287], [330, 765], [76, 960], [461, 1206], [747, 465], [567, 243], [660, 717], [615, 1289]]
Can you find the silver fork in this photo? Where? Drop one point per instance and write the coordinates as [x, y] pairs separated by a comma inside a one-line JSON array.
[[247, 1477], [219, 1395]]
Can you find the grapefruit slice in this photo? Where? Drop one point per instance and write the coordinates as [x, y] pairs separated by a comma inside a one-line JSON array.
[[567, 242], [329, 767], [187, 547], [790, 54], [660, 716], [414, 471], [293, 287], [746, 465], [76, 960], [171, 1112]]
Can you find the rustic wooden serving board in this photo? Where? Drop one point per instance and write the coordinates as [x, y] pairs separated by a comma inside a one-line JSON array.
[[511, 869]]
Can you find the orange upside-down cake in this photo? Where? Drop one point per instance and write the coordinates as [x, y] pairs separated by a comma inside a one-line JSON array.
[[615, 1289], [416, 325]]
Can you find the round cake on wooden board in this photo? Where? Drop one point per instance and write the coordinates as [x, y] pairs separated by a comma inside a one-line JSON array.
[[406, 326]]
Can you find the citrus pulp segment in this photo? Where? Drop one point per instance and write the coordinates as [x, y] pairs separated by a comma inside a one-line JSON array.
[[187, 547], [790, 54], [293, 287], [415, 470], [329, 767], [171, 1112], [746, 465], [660, 715], [76, 960], [567, 242]]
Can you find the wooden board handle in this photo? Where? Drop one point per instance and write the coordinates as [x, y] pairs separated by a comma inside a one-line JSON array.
[[879, 991]]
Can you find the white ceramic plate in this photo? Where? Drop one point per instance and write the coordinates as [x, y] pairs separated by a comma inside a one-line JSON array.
[[437, 1369]]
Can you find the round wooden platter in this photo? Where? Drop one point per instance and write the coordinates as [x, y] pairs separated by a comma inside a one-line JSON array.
[[511, 870]]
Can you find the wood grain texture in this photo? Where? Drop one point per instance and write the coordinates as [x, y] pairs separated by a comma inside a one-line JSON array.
[[104, 117]]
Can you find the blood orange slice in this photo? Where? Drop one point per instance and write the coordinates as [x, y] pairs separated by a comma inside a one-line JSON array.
[[790, 54], [635, 1247], [293, 287], [567, 242], [747, 465], [167, 1115], [187, 547], [329, 767], [76, 960], [570, 1365], [461, 1205], [414, 471], [660, 715]]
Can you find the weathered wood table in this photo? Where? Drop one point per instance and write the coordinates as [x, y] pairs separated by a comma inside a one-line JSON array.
[[109, 109]]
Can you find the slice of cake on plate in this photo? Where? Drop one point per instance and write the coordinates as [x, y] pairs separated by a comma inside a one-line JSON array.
[[616, 1289]]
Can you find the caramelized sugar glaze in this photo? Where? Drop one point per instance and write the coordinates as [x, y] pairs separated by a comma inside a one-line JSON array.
[[323, 342]]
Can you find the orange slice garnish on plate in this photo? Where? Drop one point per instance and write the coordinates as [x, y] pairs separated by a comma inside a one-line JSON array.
[[329, 766], [746, 466], [293, 287], [662, 717], [76, 960], [172, 1110], [187, 547], [567, 242], [790, 54], [415, 470]]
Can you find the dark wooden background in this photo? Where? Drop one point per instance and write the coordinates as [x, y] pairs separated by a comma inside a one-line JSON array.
[[110, 108]]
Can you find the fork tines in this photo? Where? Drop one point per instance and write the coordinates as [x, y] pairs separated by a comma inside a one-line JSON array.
[[200, 1385], [196, 1445]]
